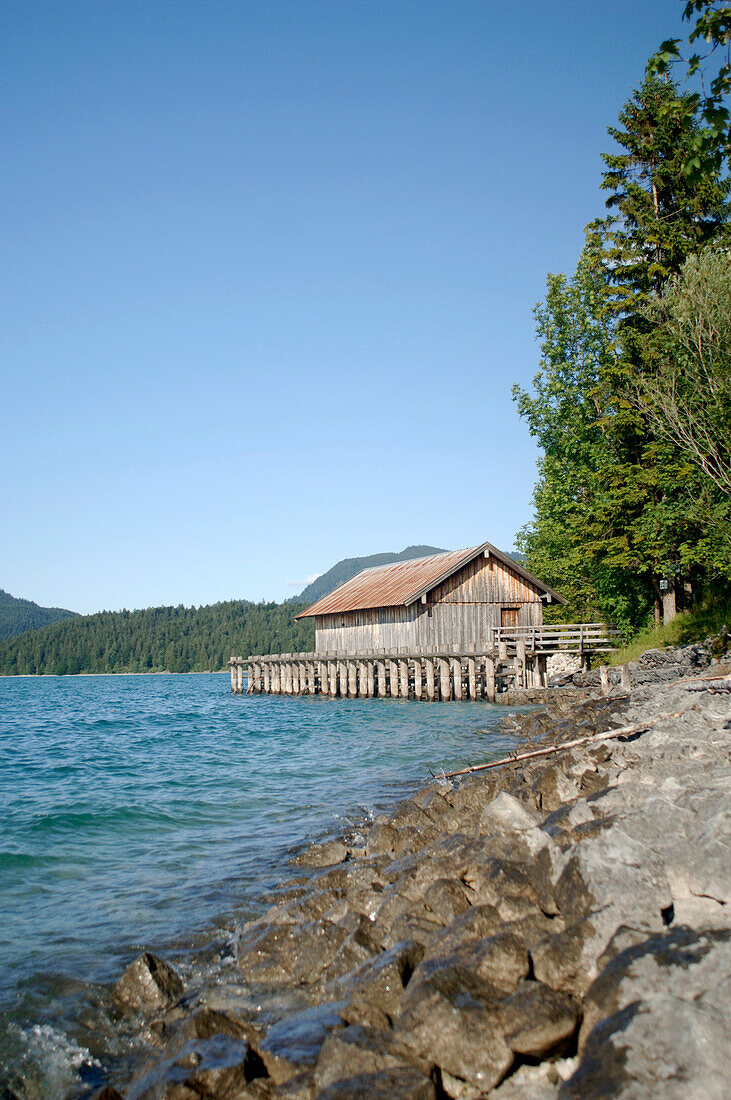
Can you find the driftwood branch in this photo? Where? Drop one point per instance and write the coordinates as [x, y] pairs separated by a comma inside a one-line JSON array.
[[623, 731]]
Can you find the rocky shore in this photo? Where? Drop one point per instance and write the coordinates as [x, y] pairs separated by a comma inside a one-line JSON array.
[[552, 928]]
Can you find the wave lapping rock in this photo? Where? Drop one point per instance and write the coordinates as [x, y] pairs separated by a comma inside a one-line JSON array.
[[552, 930]]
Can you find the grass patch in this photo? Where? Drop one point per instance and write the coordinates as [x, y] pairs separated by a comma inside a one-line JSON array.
[[686, 628]]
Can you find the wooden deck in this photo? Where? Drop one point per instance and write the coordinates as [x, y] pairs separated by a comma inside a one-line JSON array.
[[516, 658]]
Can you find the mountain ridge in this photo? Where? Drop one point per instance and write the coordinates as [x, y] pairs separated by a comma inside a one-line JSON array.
[[17, 616], [346, 568]]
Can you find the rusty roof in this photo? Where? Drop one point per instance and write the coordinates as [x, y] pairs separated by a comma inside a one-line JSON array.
[[403, 582]]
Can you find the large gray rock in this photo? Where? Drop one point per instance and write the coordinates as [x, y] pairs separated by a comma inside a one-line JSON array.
[[358, 1050], [501, 960], [611, 880], [656, 1021], [372, 993], [316, 951], [322, 855], [452, 1018], [293, 1044], [148, 984], [538, 1021], [398, 1083], [220, 1067]]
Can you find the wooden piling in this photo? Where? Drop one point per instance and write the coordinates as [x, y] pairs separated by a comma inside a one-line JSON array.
[[520, 664], [393, 678], [429, 672], [444, 685], [417, 678], [403, 675], [472, 677], [370, 679], [456, 664], [604, 675], [352, 679], [490, 679], [381, 666]]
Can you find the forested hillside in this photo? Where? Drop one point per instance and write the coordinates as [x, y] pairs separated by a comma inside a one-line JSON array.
[[172, 639], [632, 402], [178, 639], [17, 616], [343, 570]]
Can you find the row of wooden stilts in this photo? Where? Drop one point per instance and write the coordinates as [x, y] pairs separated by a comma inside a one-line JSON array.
[[430, 677]]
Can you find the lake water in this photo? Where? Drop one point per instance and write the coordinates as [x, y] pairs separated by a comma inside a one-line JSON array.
[[140, 811]]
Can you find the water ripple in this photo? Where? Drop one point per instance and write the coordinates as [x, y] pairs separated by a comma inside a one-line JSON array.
[[136, 809]]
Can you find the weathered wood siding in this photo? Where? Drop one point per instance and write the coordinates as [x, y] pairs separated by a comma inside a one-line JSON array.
[[485, 580], [460, 613]]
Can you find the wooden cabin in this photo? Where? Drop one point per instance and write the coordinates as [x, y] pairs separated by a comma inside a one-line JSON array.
[[448, 602], [462, 625]]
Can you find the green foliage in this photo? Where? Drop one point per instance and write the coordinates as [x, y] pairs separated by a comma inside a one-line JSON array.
[[690, 626], [620, 501], [711, 146], [17, 616], [687, 394], [577, 542], [659, 216], [170, 639]]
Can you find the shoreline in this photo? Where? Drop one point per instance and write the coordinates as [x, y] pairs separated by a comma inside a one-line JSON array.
[[79, 675], [489, 938]]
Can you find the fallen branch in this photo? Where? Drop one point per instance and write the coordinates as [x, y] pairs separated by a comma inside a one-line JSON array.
[[515, 757], [698, 679]]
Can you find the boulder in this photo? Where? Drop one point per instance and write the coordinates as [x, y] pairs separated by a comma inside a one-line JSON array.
[[656, 1020], [399, 1083], [452, 1018], [148, 985], [507, 814], [357, 1050], [563, 959], [288, 954], [322, 855], [538, 1021], [501, 960], [612, 879], [374, 990], [292, 1045]]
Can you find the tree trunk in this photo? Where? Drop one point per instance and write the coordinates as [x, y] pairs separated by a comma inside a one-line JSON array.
[[669, 605], [657, 608]]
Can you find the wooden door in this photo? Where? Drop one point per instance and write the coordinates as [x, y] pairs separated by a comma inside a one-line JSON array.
[[509, 616]]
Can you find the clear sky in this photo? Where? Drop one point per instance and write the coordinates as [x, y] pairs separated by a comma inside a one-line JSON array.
[[269, 270]]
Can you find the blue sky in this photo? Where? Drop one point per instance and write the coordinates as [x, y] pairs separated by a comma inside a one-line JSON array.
[[269, 270]]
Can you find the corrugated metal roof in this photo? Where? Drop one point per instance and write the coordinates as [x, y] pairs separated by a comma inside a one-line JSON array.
[[403, 582]]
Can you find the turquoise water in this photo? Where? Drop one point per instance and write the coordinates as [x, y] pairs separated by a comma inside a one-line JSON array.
[[139, 811]]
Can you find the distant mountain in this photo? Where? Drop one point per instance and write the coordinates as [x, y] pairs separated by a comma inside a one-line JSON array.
[[348, 567], [17, 616]]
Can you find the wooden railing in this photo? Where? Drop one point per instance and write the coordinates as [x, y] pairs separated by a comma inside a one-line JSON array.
[[561, 637]]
